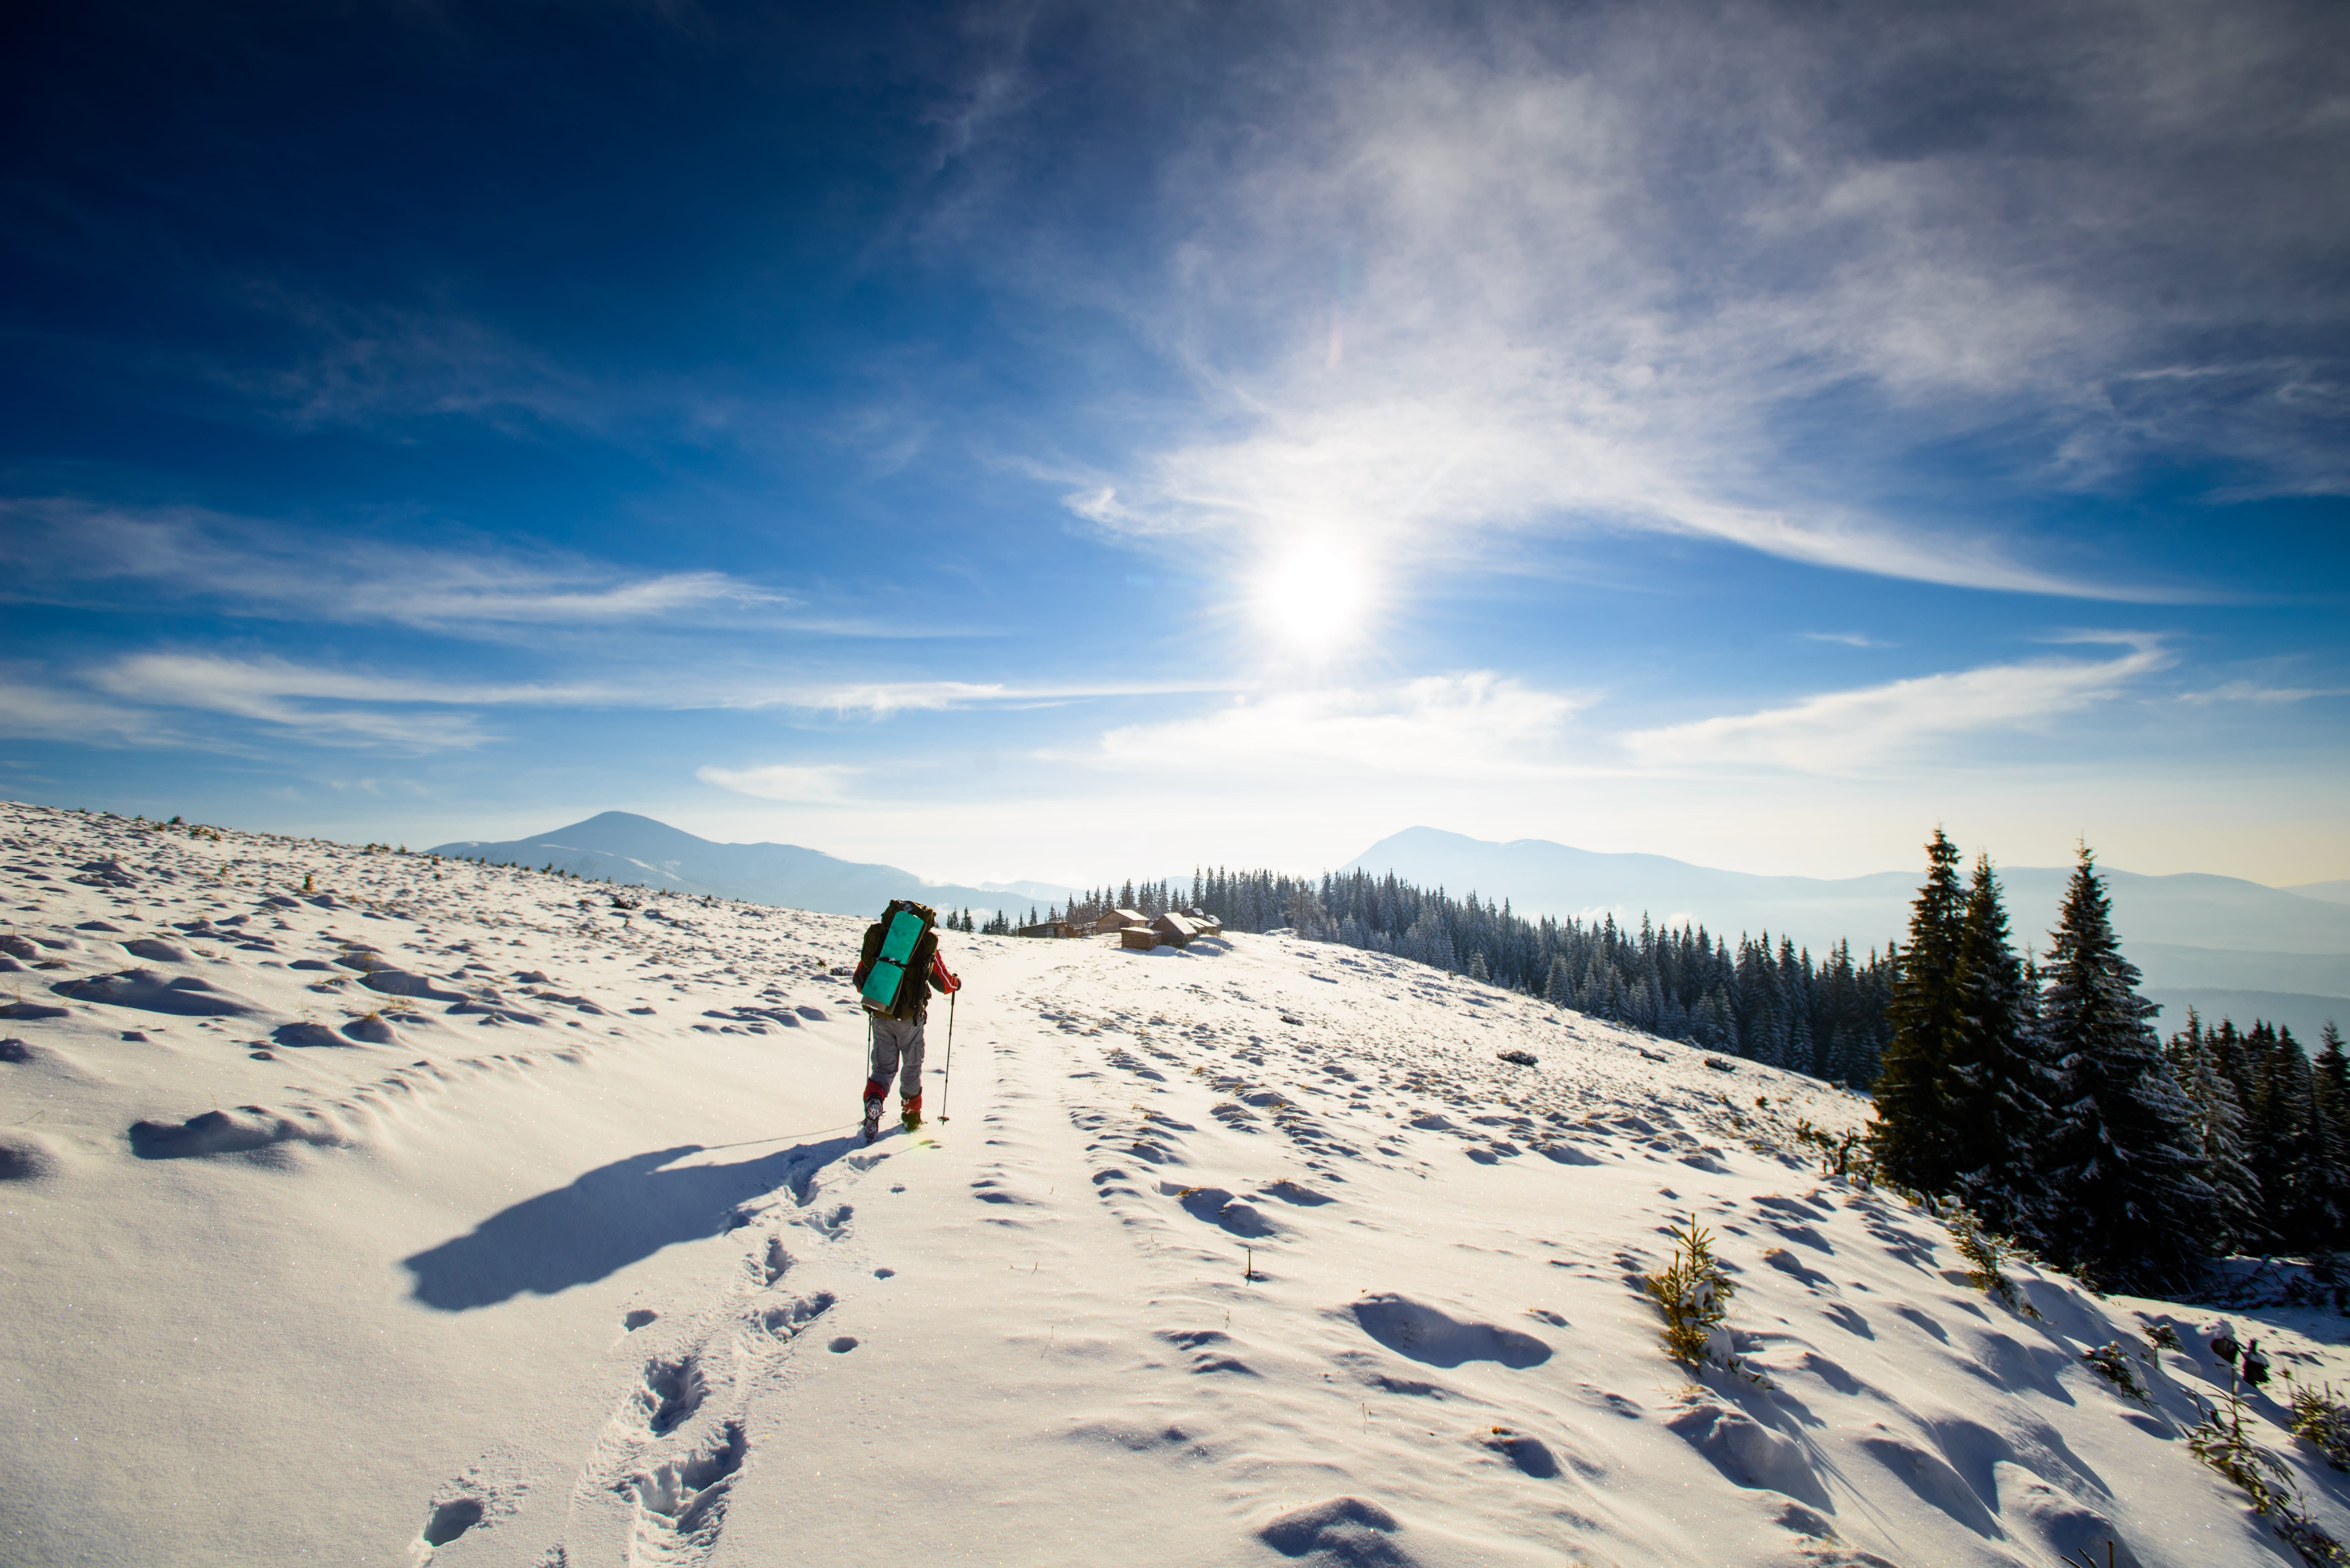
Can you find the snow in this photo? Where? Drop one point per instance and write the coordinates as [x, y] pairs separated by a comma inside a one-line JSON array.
[[431, 1216]]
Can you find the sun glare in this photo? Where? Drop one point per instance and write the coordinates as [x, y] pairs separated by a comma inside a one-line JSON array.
[[1316, 595]]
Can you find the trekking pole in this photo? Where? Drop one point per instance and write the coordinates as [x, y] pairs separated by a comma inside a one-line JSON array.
[[949, 1082]]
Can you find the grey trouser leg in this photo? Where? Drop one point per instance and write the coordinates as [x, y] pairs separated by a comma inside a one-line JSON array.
[[897, 1048]]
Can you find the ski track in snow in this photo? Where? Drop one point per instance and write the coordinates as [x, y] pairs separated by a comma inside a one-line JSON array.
[[1254, 1253]]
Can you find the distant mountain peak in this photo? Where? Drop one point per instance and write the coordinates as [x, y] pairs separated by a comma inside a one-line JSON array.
[[632, 850]]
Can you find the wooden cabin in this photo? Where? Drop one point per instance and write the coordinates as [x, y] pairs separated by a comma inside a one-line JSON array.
[[1119, 921], [1174, 930]]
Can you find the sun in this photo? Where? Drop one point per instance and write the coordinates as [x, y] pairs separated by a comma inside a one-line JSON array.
[[1316, 595]]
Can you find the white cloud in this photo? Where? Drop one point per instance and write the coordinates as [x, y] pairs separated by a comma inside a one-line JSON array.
[[345, 706], [1844, 732], [1571, 270], [68, 551], [2253, 691], [1429, 478], [880, 699], [820, 786], [327, 706], [34, 707], [1472, 726]]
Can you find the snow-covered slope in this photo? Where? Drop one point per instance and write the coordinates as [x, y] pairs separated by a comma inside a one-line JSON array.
[[434, 1216]]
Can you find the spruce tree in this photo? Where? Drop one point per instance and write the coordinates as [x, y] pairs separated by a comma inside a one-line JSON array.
[[2126, 1206], [2276, 1118], [1911, 1136], [2299, 1200], [2330, 1156], [2218, 1129], [1997, 1078]]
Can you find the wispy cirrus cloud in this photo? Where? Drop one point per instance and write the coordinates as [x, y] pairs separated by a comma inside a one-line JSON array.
[[63, 550], [1476, 725], [883, 699], [1901, 721], [35, 706], [820, 784], [131, 697], [1567, 270], [325, 706], [1485, 727], [2260, 694]]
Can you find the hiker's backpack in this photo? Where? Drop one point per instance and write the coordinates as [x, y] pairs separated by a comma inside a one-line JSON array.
[[903, 924]]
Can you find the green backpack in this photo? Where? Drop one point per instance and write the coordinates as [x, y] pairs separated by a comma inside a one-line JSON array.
[[903, 924]]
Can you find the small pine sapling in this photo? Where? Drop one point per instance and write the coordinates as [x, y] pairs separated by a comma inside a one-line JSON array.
[[2317, 1548], [2320, 1419], [1845, 1162], [2112, 1362], [2218, 1441], [1693, 1293], [1985, 1253]]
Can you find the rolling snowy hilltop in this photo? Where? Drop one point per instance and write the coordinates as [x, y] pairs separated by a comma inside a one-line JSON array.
[[366, 1208]]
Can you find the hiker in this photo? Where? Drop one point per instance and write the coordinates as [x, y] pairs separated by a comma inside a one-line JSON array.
[[895, 1030]]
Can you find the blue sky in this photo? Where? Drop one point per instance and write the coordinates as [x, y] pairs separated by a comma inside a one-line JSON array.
[[1070, 442]]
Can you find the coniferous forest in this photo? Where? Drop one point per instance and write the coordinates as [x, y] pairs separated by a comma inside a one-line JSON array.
[[2042, 1097], [2037, 1092], [1777, 1005]]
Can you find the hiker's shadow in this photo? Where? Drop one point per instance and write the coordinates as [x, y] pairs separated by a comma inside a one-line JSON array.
[[607, 1218]]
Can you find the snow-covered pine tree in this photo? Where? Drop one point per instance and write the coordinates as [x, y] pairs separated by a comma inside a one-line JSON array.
[[1800, 1053], [2329, 1180], [1720, 1027], [2218, 1129], [1998, 1076], [2127, 1204], [1911, 1137], [2295, 1202]]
